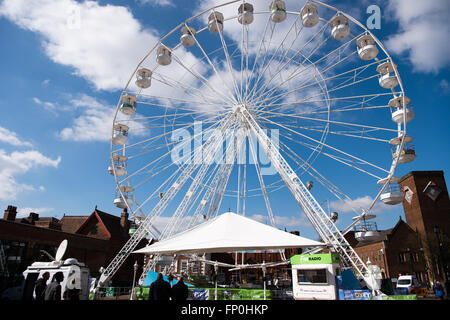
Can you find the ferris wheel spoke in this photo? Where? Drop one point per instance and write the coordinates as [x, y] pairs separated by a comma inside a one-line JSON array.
[[229, 63], [348, 99], [308, 84], [215, 124], [203, 80], [261, 181], [297, 34], [268, 95], [328, 146], [307, 167], [350, 163], [327, 121], [353, 134], [187, 89], [197, 181], [266, 44], [298, 53], [150, 101], [250, 78], [217, 73]]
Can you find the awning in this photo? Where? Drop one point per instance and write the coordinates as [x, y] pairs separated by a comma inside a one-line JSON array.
[[229, 232]]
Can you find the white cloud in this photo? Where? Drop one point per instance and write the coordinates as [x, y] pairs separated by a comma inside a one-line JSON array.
[[424, 32], [49, 106], [158, 3], [11, 138], [283, 221], [356, 205], [102, 43], [19, 163], [94, 121], [445, 86], [24, 212]]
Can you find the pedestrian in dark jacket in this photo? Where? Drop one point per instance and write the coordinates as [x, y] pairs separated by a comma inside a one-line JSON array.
[[439, 290], [41, 285], [160, 289], [180, 291], [53, 290]]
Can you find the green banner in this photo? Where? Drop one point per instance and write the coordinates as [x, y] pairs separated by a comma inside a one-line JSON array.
[[321, 258], [403, 297], [239, 294]]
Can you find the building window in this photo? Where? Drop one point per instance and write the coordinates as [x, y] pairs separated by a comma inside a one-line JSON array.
[[184, 266], [195, 267], [402, 257], [312, 276], [415, 257], [94, 230]]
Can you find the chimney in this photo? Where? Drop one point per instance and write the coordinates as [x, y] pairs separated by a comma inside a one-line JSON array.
[[10, 213], [124, 223], [33, 217]]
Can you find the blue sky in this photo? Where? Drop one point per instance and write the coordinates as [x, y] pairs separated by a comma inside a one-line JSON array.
[[60, 85]]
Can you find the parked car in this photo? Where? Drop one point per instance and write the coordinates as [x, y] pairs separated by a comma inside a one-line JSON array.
[[411, 283]]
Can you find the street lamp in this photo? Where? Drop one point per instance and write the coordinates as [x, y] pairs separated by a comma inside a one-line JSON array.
[[264, 269], [135, 267]]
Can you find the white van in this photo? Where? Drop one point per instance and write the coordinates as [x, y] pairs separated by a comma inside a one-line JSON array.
[[76, 275], [407, 281]]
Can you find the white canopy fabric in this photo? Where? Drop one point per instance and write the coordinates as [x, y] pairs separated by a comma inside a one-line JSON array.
[[229, 232]]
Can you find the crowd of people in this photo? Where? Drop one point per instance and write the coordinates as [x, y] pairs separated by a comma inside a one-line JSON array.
[[53, 291], [161, 289]]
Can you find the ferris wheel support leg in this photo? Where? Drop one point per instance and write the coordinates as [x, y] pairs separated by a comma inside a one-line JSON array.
[[141, 232], [314, 212]]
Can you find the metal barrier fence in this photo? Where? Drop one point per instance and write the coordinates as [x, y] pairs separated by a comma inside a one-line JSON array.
[[114, 293]]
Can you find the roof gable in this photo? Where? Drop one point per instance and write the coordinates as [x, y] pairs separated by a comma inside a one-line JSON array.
[[110, 224]]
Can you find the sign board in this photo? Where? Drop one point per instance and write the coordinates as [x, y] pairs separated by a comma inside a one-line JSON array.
[[321, 258], [109, 292], [355, 294]]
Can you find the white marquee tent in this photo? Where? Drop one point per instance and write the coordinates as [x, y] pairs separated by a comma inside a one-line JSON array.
[[229, 232]]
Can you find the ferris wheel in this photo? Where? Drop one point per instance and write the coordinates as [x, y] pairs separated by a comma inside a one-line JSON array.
[[249, 106]]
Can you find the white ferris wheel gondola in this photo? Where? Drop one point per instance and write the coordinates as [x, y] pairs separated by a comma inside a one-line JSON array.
[[144, 78], [118, 165], [310, 15], [187, 36], [128, 106], [401, 110], [120, 134], [340, 29], [245, 13], [387, 78], [278, 11], [164, 55], [215, 24], [367, 48]]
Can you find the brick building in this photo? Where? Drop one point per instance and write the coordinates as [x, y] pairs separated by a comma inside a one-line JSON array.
[[94, 240], [420, 245], [396, 251], [427, 211]]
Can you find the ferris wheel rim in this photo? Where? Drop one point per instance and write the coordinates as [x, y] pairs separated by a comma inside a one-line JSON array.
[[401, 91]]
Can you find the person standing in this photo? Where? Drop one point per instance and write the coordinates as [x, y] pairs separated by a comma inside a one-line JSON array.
[[180, 291], [160, 289], [53, 290], [439, 290], [72, 294], [40, 286]]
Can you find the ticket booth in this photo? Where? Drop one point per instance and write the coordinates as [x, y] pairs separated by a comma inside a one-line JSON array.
[[314, 276]]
